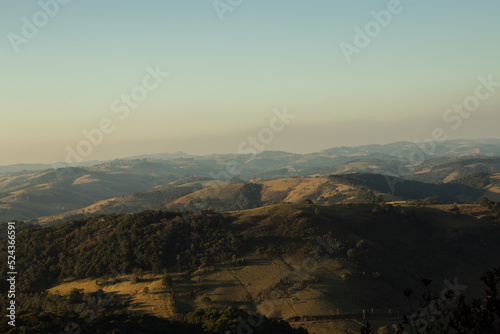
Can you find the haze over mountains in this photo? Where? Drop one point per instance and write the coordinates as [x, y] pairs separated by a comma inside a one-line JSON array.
[[194, 233], [167, 180], [393, 151], [250, 167]]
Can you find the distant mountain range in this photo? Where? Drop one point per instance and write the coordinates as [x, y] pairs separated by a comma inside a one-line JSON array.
[[345, 229], [161, 180], [395, 151]]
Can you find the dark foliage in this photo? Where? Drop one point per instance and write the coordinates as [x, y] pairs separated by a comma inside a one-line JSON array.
[[99, 246], [55, 314], [435, 314], [493, 207], [248, 196], [447, 193]]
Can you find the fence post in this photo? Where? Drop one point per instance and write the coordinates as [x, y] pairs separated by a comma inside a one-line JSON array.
[[364, 315]]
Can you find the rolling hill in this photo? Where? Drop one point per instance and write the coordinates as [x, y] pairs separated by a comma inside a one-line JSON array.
[[343, 188], [100, 187], [282, 260], [455, 169], [26, 196], [193, 194]]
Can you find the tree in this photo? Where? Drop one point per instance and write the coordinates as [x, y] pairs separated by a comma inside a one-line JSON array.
[[75, 296], [138, 272], [167, 283], [486, 202], [352, 253], [432, 316]]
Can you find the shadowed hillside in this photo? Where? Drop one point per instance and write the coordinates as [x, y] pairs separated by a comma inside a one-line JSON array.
[[369, 253]]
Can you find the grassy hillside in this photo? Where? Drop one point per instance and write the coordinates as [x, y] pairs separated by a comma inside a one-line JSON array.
[[493, 188], [407, 190], [244, 196], [182, 193], [244, 258], [135, 202], [30, 195], [455, 169], [76, 191], [342, 188]]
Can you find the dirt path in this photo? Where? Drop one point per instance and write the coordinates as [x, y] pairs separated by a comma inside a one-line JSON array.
[[250, 298]]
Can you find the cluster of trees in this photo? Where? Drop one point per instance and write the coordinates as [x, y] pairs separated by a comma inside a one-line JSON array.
[[433, 315], [232, 320], [151, 241], [99, 246], [477, 180], [494, 207], [365, 195], [470, 167], [78, 313], [447, 192], [19, 227], [249, 195]]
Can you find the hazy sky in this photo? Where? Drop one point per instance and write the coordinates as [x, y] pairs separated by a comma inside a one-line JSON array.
[[67, 71]]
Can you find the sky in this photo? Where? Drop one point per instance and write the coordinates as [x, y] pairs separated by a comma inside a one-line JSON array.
[[205, 77]]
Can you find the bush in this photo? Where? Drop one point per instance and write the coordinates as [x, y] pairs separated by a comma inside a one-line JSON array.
[[478, 317], [75, 296], [352, 253], [167, 283]]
